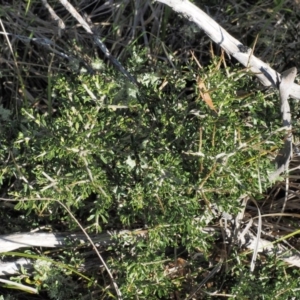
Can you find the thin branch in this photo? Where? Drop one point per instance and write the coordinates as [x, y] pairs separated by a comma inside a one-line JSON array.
[[96, 250], [70, 8]]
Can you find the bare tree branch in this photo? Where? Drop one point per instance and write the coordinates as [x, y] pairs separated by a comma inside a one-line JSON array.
[[234, 48]]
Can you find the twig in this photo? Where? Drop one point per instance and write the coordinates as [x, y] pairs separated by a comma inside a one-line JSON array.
[[55, 17], [215, 270], [96, 250], [70, 8]]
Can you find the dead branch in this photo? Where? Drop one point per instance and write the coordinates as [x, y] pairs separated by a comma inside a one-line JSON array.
[[23, 240], [266, 75]]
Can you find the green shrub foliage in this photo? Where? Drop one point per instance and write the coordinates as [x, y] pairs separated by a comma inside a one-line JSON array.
[[154, 157]]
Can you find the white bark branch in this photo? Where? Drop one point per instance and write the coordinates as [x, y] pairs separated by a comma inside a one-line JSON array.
[[15, 241], [20, 240], [266, 75]]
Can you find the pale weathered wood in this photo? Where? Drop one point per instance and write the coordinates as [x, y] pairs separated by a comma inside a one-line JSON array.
[[232, 46], [284, 155], [13, 267], [20, 240], [15, 241]]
